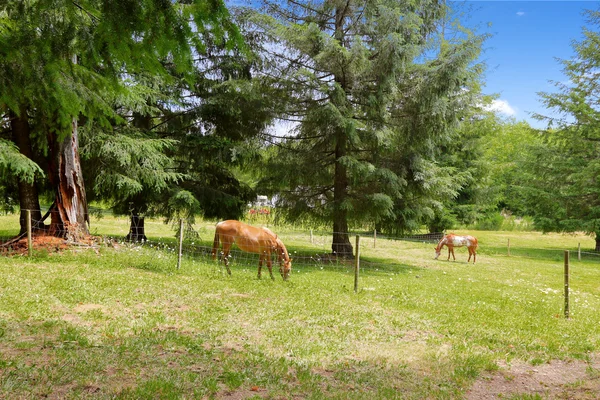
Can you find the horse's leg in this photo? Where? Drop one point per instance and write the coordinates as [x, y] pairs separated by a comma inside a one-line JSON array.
[[474, 256], [226, 248], [469, 260], [270, 264], [260, 264], [215, 247], [449, 252], [280, 261]]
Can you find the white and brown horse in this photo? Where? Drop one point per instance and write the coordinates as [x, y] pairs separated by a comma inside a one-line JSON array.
[[252, 240], [451, 241]]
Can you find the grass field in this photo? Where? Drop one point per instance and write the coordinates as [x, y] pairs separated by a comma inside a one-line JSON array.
[[122, 322]]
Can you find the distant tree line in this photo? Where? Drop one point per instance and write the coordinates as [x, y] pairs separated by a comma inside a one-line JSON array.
[[167, 109]]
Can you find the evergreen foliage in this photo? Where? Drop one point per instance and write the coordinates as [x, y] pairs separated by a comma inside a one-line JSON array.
[[15, 165], [564, 183], [101, 62], [374, 90]]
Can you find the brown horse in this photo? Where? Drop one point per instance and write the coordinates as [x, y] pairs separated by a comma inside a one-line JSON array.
[[452, 241], [252, 240]]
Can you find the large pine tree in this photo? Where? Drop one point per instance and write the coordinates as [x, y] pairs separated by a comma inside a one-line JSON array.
[[60, 62], [366, 84]]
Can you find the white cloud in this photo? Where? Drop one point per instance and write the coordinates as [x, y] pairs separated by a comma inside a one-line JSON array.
[[501, 106], [520, 13]]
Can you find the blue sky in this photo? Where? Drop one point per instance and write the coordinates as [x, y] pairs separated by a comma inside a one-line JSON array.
[[521, 55], [527, 37]]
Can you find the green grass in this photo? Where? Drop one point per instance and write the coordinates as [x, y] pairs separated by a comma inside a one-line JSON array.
[[125, 323]]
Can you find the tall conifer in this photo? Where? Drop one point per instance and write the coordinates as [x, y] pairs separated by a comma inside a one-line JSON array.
[[61, 60], [372, 88]]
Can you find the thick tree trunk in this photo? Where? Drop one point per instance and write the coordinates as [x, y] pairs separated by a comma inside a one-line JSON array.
[[71, 217], [136, 229], [28, 192], [341, 245], [597, 241]]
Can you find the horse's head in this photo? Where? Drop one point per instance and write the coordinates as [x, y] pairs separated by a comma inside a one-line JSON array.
[[286, 268], [285, 262], [437, 253]]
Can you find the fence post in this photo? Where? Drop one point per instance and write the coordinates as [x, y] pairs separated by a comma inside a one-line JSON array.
[[567, 284], [180, 243], [579, 251], [374, 237], [29, 235], [311, 237], [508, 246], [356, 264]]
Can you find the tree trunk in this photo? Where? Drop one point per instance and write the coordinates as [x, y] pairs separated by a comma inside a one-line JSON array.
[[71, 217], [28, 192], [136, 229], [597, 242], [341, 245]]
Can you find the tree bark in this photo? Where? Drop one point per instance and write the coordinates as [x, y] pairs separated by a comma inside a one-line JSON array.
[[136, 229], [71, 217], [597, 242], [28, 192], [341, 245]]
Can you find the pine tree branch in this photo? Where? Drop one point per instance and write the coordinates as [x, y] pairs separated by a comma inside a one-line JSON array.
[[93, 18], [294, 137], [295, 61], [305, 7]]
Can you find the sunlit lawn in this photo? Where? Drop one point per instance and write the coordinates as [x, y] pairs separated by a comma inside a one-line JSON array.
[[125, 323]]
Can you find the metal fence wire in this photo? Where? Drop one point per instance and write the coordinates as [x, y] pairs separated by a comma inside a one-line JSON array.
[[310, 248]]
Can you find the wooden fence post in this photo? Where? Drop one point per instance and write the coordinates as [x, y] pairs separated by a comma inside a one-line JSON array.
[[374, 237], [579, 251], [29, 235], [356, 264], [311, 237], [508, 247], [180, 243], [567, 284]]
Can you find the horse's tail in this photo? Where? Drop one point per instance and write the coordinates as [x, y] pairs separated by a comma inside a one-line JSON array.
[[215, 247]]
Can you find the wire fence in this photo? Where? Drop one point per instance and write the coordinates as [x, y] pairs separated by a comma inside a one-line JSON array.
[[197, 242], [306, 247]]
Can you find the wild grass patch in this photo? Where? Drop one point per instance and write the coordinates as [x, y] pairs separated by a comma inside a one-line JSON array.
[[125, 323]]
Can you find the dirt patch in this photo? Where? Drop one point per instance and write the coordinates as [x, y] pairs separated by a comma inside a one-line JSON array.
[[241, 394], [554, 380], [83, 308], [49, 243]]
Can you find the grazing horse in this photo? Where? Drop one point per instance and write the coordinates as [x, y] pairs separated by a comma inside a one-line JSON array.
[[252, 240], [452, 241]]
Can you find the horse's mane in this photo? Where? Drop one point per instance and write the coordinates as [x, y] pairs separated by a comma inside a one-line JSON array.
[[276, 241], [270, 232]]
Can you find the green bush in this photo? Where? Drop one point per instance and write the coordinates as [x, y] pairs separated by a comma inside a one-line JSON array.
[[492, 222], [512, 223]]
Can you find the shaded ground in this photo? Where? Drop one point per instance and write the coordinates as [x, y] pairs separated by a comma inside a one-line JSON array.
[[555, 380]]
